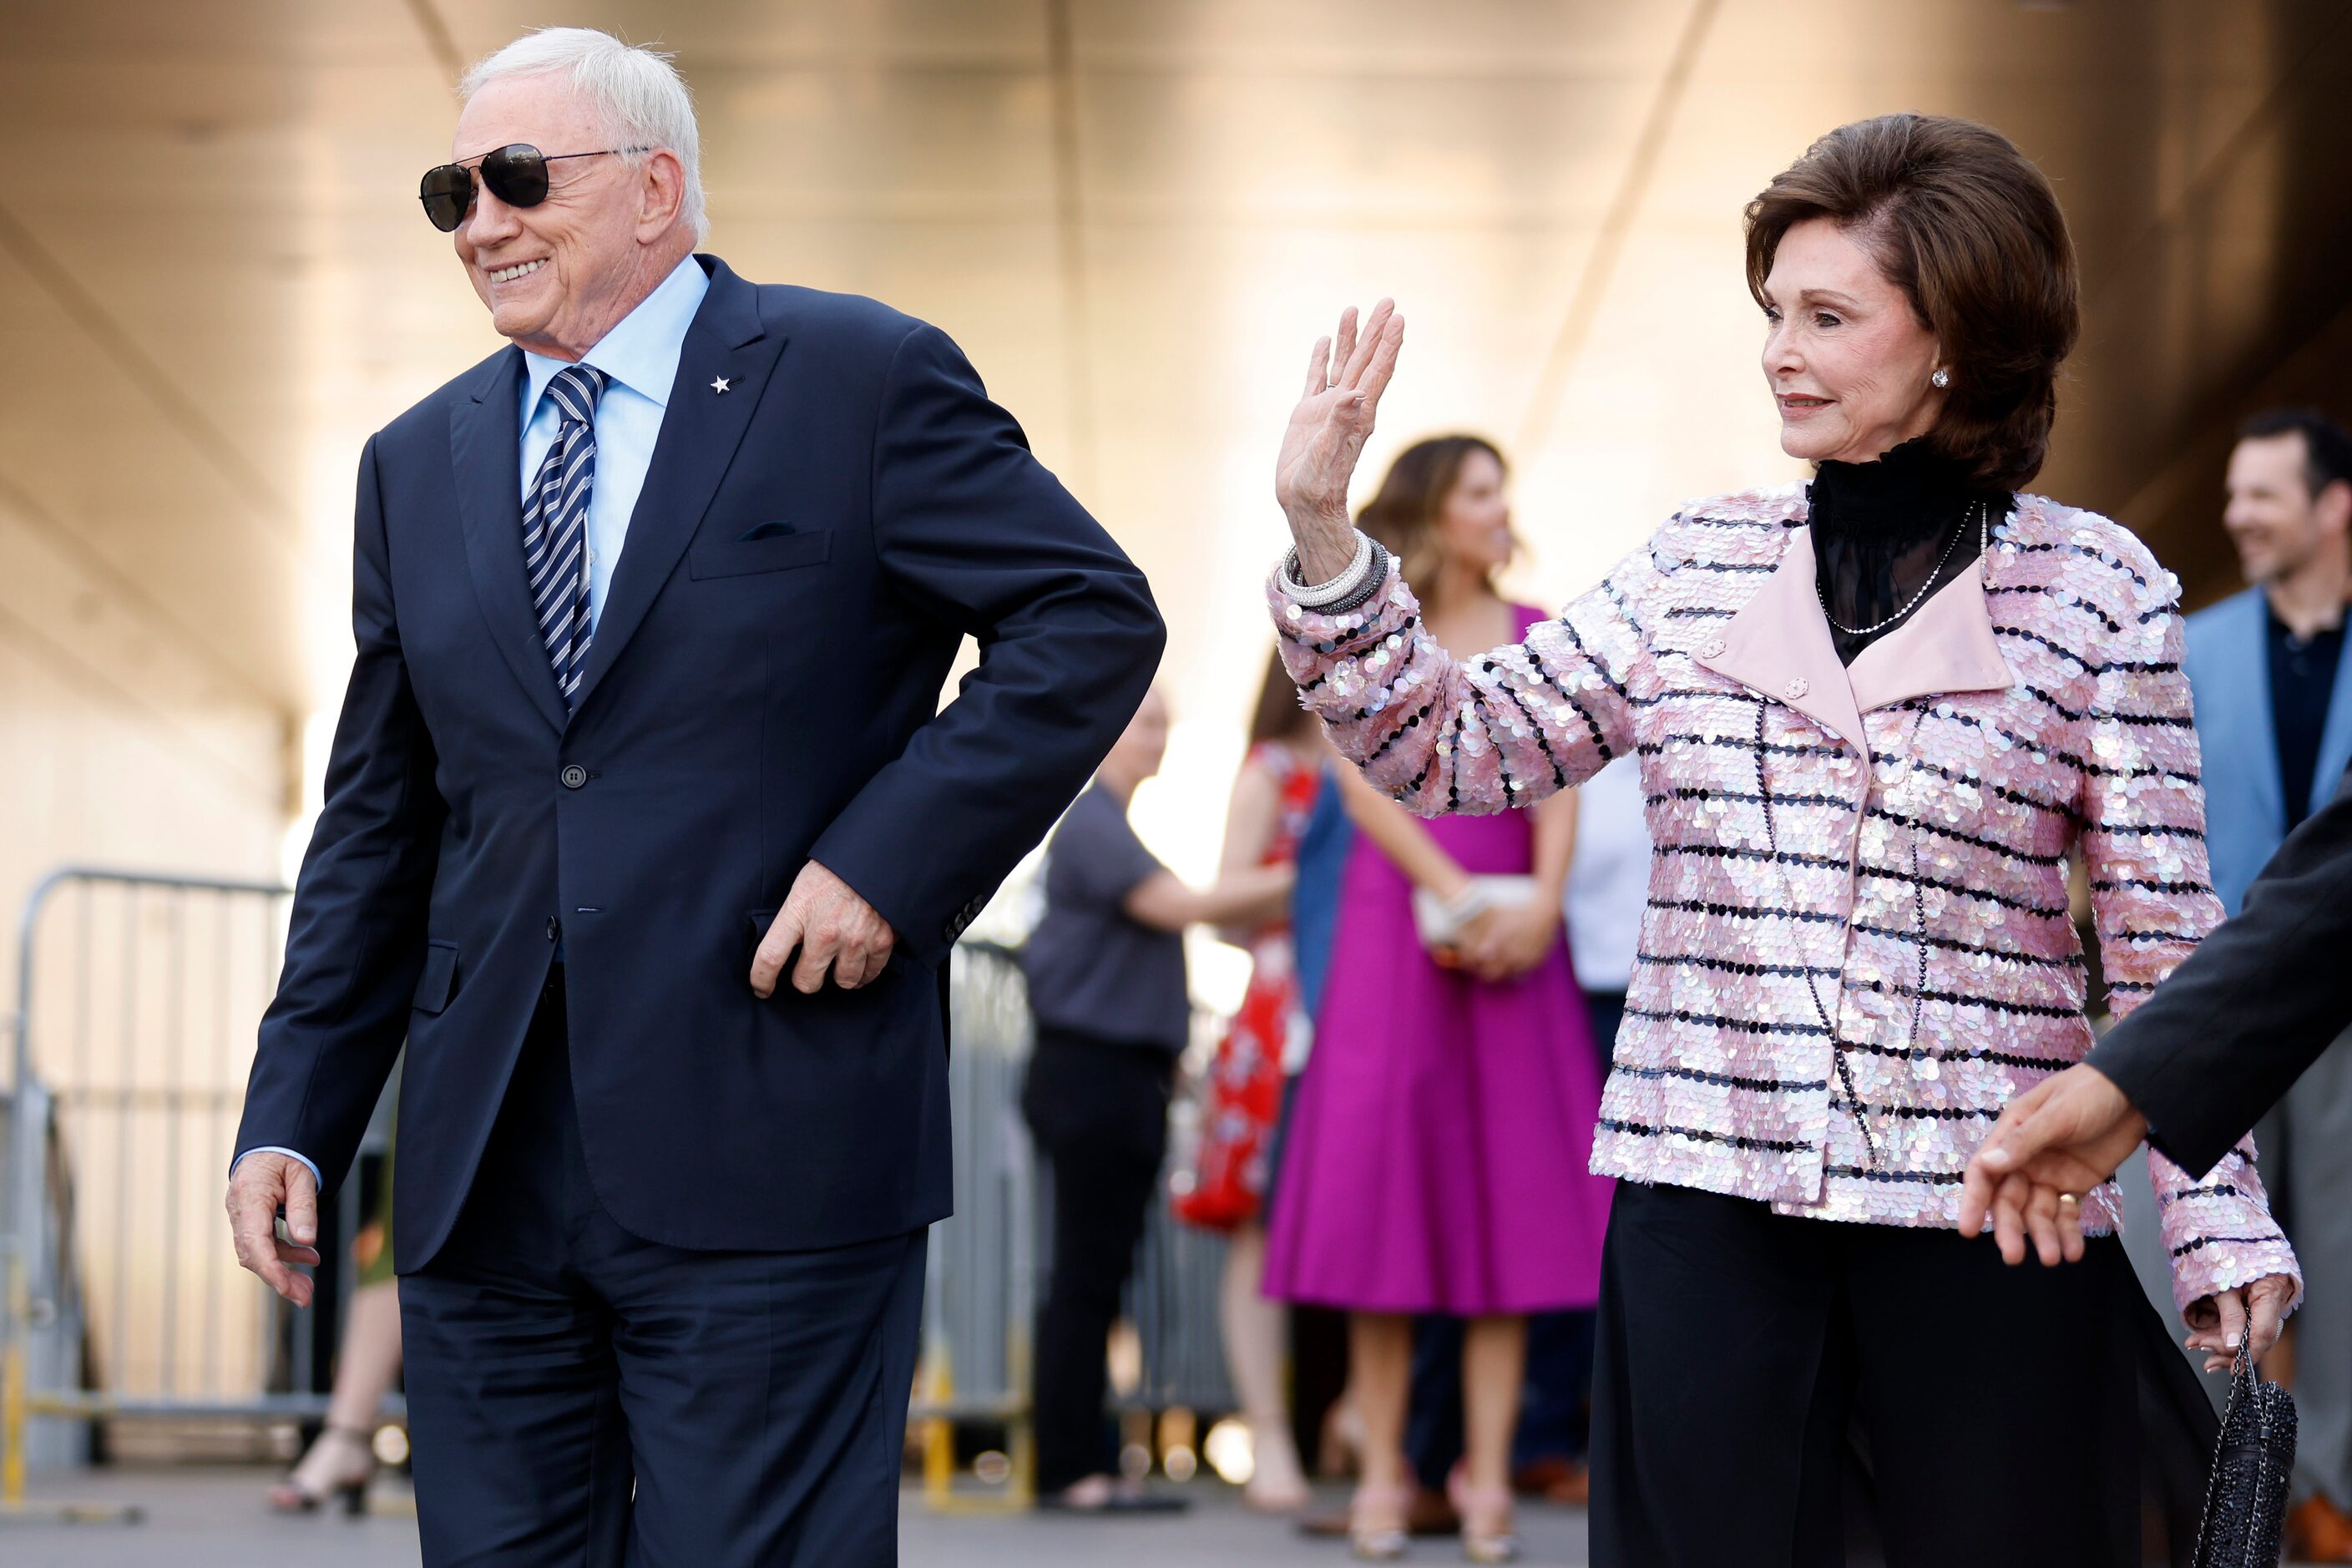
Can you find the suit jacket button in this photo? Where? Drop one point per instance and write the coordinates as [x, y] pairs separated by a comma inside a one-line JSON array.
[[1796, 688], [574, 777]]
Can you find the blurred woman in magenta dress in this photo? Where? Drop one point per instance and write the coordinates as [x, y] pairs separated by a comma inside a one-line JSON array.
[[1438, 1158]]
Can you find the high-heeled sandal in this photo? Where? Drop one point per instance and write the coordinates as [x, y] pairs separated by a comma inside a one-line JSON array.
[[296, 1495], [1377, 1519], [1486, 1511]]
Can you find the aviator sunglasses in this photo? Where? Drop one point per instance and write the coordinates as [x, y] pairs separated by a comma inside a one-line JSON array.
[[517, 175]]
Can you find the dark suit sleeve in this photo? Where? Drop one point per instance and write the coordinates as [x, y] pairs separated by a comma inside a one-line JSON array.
[[973, 529], [2259, 999], [356, 940]]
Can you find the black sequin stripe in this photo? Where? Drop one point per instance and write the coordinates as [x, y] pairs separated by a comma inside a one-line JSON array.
[[1616, 599], [2080, 765], [2172, 721], [2211, 1190], [2068, 601], [1576, 640], [1559, 773], [1962, 889], [1922, 1112], [1721, 1079], [2072, 715], [2186, 1247], [1928, 1178], [1777, 749], [1453, 766], [2148, 885], [1987, 1004], [1487, 726], [1762, 856], [1771, 913], [1591, 724], [2072, 548], [1411, 723], [2131, 985], [1734, 522], [1693, 696], [1734, 966], [2061, 649], [1940, 831], [1750, 797], [1934, 1054], [2015, 797], [1741, 567], [1698, 612], [1717, 1021], [2156, 936], [1373, 639], [1704, 1135], [1953, 945], [1409, 623], [2144, 831]]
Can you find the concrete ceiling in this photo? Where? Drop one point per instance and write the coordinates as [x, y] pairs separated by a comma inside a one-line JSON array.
[[1134, 215]]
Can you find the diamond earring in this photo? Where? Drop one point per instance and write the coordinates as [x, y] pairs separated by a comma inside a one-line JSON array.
[[1941, 378]]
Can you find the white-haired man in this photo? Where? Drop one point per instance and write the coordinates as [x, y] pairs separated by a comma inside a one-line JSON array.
[[652, 608]]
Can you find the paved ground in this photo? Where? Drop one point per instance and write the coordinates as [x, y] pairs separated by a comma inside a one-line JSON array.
[[213, 1518]]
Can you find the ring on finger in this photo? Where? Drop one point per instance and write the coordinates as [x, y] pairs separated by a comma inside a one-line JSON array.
[[2066, 1199]]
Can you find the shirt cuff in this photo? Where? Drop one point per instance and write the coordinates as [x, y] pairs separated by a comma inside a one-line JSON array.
[[319, 1180]]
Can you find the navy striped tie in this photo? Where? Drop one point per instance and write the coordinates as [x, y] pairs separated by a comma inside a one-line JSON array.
[[555, 525]]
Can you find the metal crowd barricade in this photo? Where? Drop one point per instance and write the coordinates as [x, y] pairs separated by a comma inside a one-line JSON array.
[[137, 1000], [137, 995], [987, 1264]]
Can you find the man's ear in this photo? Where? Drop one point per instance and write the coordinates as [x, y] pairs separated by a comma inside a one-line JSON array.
[[661, 194], [2332, 506]]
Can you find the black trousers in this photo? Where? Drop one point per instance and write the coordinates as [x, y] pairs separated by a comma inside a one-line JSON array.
[[1099, 1111], [578, 1396], [1995, 1410]]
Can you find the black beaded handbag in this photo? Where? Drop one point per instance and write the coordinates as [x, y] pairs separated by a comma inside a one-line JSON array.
[[2245, 1503]]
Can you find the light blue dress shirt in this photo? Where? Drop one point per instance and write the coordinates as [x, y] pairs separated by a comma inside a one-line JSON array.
[[640, 354]]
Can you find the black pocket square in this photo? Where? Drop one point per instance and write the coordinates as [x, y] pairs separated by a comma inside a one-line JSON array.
[[765, 530]]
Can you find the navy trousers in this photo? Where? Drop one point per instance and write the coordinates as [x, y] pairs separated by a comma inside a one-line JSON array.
[[580, 1396]]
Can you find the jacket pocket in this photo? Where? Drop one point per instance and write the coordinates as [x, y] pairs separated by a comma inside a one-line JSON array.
[[770, 553], [439, 981]]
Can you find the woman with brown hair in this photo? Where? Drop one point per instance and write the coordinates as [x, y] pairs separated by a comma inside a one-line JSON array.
[[1875, 717], [1437, 1154]]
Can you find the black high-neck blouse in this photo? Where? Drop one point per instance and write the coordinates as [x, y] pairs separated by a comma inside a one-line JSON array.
[[1880, 530]]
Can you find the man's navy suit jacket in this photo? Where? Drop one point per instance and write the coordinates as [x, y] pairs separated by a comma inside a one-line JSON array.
[[810, 547]]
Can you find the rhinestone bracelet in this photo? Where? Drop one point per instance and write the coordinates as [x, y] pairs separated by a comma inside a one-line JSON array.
[[1321, 594]]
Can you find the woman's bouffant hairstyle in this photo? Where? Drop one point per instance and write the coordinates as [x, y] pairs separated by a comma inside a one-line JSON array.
[[1971, 231], [1403, 515]]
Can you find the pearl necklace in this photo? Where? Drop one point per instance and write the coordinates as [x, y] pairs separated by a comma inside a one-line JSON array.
[[1983, 529]]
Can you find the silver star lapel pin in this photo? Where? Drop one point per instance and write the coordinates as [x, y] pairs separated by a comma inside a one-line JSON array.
[[718, 383]]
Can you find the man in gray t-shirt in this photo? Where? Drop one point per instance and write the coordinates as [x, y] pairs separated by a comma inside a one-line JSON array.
[[1093, 968]]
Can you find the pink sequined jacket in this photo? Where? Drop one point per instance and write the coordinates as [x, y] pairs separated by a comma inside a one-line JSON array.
[[1893, 837]]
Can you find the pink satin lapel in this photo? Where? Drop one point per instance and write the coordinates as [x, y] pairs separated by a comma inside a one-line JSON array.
[[1779, 647], [1949, 646]]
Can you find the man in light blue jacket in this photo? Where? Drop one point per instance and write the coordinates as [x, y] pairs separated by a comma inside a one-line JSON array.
[[2274, 724]]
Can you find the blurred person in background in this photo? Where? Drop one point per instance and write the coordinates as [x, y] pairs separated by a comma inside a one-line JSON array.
[[1273, 799], [1437, 1160], [2275, 722], [1107, 984], [645, 828], [1877, 728]]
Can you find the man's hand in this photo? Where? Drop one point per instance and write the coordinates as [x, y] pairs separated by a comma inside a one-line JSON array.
[[833, 927], [2055, 1141], [260, 1183]]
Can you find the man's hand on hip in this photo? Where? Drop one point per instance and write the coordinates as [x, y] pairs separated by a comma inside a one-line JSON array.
[[261, 1182], [833, 927]]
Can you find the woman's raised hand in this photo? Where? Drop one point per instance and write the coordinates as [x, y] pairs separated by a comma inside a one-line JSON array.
[[1344, 382]]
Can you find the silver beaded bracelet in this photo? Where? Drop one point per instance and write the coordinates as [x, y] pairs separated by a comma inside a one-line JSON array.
[[1322, 595]]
